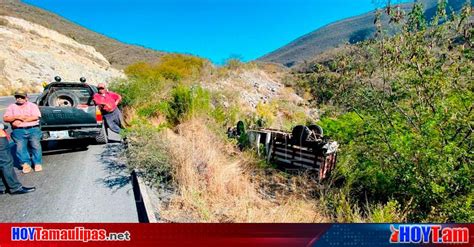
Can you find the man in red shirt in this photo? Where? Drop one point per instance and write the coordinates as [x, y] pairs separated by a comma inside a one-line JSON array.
[[108, 102], [24, 118]]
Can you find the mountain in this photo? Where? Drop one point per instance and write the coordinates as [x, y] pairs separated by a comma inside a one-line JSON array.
[[39, 46], [31, 54], [117, 53], [346, 31]]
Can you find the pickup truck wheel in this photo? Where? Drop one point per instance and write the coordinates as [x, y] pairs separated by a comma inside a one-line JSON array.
[[102, 137], [63, 98]]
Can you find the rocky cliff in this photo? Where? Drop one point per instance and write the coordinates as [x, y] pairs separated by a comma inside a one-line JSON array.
[[31, 54]]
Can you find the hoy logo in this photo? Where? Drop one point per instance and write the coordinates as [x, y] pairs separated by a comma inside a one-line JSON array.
[[429, 234]]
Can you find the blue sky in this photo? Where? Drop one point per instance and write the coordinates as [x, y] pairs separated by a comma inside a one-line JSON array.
[[214, 29]]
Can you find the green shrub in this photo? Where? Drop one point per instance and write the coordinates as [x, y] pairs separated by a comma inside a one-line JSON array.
[[154, 109], [142, 70], [219, 114], [147, 89], [187, 102], [175, 67], [387, 213], [137, 92], [233, 63], [267, 112], [145, 152], [345, 128]]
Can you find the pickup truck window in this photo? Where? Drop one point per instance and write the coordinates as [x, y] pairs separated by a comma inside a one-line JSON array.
[[67, 96]]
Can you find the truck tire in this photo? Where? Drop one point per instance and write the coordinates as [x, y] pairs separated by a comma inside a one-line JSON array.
[[102, 138], [63, 98], [299, 134], [316, 130]]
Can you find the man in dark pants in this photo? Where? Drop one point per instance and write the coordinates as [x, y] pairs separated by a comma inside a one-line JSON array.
[[108, 103], [6, 168]]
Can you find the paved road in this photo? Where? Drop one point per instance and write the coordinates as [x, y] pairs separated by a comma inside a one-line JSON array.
[[85, 185]]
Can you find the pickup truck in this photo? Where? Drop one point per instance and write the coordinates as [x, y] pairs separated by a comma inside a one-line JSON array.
[[68, 112]]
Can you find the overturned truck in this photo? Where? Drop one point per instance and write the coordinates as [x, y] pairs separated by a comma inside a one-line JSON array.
[[304, 147]]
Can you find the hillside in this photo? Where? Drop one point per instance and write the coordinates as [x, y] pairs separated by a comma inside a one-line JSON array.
[[31, 54], [401, 108], [117, 53], [178, 113], [347, 31], [59, 47]]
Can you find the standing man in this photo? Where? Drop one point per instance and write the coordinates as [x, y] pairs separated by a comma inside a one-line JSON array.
[[108, 102], [6, 168], [24, 118]]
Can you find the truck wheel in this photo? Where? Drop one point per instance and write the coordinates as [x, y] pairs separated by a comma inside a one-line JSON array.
[[299, 134], [102, 137], [63, 98], [317, 130]]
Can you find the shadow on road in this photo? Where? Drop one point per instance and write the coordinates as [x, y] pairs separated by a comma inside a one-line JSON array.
[[64, 146], [119, 175], [56, 147]]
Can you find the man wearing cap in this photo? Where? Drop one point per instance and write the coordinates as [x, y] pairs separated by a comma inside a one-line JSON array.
[[24, 118], [108, 102], [6, 168]]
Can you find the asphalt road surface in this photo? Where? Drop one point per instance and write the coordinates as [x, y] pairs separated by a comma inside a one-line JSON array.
[[81, 182]]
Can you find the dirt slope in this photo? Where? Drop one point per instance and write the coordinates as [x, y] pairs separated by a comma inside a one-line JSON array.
[[117, 53], [31, 54]]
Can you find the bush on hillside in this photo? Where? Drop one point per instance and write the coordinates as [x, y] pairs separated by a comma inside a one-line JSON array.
[[175, 67], [154, 90], [406, 132], [145, 152], [187, 102]]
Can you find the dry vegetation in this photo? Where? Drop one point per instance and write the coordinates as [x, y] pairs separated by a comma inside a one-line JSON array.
[[177, 136], [8, 90], [214, 183]]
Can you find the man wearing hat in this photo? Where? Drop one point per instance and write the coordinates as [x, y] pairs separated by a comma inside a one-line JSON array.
[[24, 118], [6, 167], [108, 104]]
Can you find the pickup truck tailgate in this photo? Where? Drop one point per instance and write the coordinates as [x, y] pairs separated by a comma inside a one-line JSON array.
[[70, 117]]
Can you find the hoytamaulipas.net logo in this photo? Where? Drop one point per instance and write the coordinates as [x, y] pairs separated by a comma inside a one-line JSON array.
[[433, 234], [75, 234]]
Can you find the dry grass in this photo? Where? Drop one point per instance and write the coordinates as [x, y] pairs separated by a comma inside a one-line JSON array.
[[5, 91], [214, 187], [9, 90], [129, 114], [4, 22]]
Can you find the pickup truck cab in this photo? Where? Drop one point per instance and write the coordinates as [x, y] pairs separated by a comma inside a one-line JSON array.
[[68, 112]]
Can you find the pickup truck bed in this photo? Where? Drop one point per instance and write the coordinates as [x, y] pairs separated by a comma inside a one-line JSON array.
[[68, 112]]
